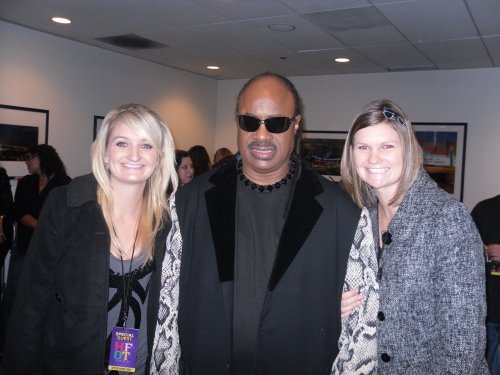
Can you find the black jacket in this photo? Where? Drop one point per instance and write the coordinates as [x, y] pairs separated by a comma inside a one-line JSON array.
[[59, 319], [29, 201], [300, 319]]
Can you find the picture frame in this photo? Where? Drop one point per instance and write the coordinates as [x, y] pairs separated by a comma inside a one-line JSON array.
[[20, 128], [97, 125], [444, 146], [322, 151]]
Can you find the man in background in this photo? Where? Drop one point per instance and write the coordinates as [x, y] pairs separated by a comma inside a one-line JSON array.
[[486, 215]]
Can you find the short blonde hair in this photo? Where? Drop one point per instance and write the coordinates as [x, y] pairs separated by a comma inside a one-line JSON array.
[[373, 114], [148, 125]]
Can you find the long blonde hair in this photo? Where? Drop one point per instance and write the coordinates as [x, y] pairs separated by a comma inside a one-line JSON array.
[[148, 125]]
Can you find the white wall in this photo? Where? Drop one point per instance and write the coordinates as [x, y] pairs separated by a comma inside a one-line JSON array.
[[75, 81], [331, 102]]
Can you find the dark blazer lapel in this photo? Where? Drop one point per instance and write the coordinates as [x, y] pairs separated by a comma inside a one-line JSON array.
[[303, 215], [221, 202]]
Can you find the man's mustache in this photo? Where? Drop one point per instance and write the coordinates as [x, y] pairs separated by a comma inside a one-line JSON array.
[[261, 144]]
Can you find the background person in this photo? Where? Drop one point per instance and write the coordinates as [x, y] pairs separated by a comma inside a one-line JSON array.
[[6, 218], [431, 269], [46, 172], [486, 215], [201, 160], [185, 169], [265, 247], [221, 156], [93, 264]]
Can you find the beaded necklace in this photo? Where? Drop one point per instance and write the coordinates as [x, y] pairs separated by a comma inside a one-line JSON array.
[[271, 187]]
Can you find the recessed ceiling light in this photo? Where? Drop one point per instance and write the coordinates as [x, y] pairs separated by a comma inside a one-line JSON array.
[[342, 59], [281, 27], [61, 20], [213, 67]]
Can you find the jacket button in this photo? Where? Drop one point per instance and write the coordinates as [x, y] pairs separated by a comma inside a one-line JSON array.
[[58, 297], [381, 316], [385, 357]]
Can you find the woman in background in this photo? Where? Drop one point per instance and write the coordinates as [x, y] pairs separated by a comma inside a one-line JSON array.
[[200, 158], [91, 281], [6, 218], [185, 169], [432, 308], [47, 171]]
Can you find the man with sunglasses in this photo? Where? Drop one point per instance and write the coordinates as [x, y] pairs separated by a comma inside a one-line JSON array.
[[265, 248]]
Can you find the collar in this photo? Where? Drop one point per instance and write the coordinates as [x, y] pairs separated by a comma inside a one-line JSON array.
[[82, 190], [303, 214]]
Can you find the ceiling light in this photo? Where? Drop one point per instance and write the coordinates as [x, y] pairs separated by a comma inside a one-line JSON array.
[[342, 60], [281, 27], [213, 67], [61, 20]]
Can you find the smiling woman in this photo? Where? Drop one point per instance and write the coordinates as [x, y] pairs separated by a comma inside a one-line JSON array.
[[91, 277], [378, 158], [130, 158], [430, 265]]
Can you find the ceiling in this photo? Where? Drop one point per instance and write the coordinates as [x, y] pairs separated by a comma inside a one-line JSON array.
[[376, 35]]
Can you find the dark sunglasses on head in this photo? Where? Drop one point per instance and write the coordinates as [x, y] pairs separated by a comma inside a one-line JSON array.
[[274, 125], [389, 114], [29, 156]]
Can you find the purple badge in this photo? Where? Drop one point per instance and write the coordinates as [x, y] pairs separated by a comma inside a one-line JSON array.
[[123, 350]]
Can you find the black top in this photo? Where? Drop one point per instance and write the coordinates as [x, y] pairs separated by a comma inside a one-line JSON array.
[[7, 212], [29, 201], [486, 215], [59, 317], [299, 323], [258, 228]]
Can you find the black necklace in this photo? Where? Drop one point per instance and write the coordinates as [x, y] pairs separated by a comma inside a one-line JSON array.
[[267, 188]]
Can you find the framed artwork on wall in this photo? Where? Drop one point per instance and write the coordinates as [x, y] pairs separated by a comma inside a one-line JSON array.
[[322, 150], [20, 128], [97, 125], [444, 147]]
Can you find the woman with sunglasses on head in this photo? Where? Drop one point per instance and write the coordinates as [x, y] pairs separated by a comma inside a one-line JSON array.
[[46, 172], [430, 272], [88, 298]]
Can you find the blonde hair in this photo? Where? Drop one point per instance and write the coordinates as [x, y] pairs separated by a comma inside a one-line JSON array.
[[373, 114], [148, 125]]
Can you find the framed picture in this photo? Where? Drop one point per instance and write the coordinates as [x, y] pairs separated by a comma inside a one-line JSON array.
[[20, 128], [97, 125], [444, 154], [322, 150]]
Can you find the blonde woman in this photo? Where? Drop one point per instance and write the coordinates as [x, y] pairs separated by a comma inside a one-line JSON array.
[[88, 297]]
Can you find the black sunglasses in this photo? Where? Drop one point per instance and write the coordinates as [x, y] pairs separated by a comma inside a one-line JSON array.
[[274, 125], [389, 114]]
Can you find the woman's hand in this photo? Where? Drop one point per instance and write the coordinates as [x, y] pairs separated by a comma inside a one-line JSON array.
[[492, 252], [350, 300]]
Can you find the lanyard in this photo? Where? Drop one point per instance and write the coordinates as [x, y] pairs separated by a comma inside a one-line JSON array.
[[127, 282]]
